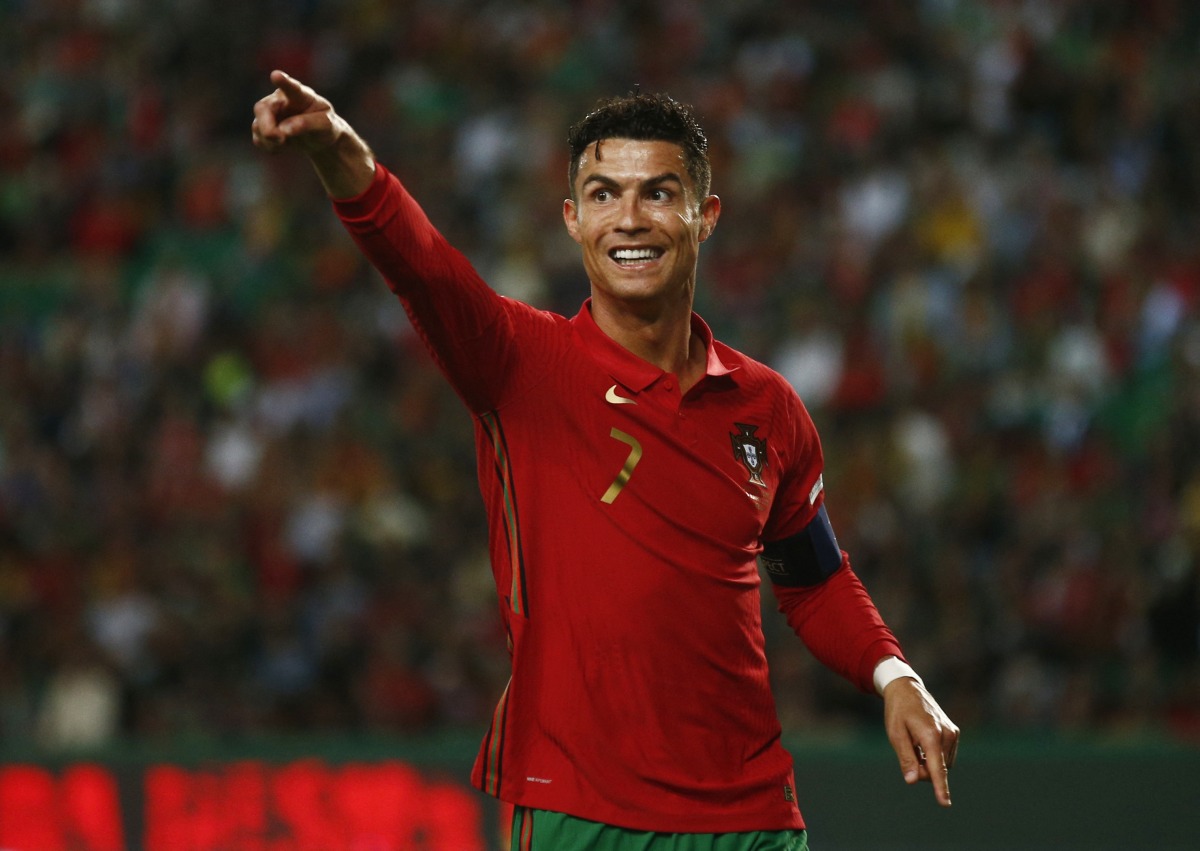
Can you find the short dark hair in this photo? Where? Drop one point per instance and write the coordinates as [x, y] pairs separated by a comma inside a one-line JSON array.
[[644, 117]]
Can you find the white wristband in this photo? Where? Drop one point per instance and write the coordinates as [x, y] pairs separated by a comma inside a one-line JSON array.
[[890, 669]]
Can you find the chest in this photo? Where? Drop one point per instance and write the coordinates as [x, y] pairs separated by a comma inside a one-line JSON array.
[[704, 468]]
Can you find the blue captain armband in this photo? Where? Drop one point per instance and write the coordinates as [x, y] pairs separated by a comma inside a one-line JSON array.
[[805, 559]]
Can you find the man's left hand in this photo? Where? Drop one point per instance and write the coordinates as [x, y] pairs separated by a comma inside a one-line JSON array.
[[924, 737]]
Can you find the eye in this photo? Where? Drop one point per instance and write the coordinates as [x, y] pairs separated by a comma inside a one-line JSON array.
[[661, 195], [601, 196]]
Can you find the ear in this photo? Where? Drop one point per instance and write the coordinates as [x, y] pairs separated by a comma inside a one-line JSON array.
[[710, 211], [570, 220]]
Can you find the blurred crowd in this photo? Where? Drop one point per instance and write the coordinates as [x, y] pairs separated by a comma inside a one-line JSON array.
[[237, 497]]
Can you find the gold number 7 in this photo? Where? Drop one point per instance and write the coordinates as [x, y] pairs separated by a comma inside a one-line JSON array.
[[635, 455]]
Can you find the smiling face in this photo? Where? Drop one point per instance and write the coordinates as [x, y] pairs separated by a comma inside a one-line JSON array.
[[636, 214]]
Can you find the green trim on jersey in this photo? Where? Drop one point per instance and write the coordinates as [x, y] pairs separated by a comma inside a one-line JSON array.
[[544, 830], [495, 744], [491, 425]]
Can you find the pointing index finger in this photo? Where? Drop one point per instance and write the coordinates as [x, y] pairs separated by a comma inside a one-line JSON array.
[[292, 89], [939, 773]]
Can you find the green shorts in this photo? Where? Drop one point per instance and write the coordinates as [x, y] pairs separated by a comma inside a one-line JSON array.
[[543, 830]]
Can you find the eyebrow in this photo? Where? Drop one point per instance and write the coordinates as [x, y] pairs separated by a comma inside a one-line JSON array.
[[605, 180]]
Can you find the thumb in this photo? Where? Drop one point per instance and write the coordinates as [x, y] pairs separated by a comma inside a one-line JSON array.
[[909, 754], [911, 760]]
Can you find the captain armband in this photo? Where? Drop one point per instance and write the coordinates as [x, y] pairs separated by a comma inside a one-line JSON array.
[[805, 559]]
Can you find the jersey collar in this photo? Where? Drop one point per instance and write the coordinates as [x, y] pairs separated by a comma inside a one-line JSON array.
[[630, 370]]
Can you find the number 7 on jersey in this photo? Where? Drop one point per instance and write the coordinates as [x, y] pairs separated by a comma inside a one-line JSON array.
[[622, 479]]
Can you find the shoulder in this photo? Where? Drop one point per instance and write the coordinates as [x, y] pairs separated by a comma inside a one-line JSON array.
[[755, 375], [769, 389], [538, 337], [522, 312]]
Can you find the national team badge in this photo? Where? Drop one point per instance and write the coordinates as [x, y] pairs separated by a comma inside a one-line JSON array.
[[751, 451]]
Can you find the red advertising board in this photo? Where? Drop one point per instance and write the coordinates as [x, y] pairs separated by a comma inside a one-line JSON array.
[[248, 805]]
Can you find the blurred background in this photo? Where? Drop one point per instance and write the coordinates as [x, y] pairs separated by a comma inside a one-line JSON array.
[[238, 500]]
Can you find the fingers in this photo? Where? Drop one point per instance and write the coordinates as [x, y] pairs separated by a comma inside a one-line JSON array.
[[923, 736], [265, 128], [912, 760], [927, 763], [280, 115], [936, 752], [937, 771], [296, 92]]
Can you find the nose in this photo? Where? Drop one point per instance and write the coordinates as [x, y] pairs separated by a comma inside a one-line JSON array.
[[629, 219]]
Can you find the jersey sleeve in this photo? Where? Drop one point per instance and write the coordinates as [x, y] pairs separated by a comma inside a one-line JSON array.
[[468, 328], [817, 591]]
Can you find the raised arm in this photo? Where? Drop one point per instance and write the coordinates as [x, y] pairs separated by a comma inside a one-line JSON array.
[[296, 117], [468, 328]]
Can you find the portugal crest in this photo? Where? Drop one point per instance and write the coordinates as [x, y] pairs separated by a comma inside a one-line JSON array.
[[751, 451]]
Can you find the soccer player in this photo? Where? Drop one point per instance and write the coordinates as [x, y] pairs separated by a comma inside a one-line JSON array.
[[634, 470]]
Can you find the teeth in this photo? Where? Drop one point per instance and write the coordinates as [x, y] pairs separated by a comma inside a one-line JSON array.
[[634, 255]]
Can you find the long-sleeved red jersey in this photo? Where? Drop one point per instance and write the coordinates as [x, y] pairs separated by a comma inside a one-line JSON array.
[[625, 525]]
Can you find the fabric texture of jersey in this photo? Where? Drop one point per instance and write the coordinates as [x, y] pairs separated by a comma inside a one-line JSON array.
[[625, 524]]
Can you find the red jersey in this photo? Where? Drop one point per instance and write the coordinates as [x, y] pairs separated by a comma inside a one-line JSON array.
[[625, 525]]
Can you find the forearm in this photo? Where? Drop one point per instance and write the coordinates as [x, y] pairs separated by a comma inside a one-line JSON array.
[[345, 168], [840, 625]]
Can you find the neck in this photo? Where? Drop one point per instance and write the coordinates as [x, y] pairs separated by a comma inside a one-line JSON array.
[[661, 337]]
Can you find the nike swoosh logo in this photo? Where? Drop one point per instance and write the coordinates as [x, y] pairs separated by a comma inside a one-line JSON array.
[[611, 396]]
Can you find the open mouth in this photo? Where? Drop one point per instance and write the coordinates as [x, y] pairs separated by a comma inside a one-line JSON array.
[[634, 256]]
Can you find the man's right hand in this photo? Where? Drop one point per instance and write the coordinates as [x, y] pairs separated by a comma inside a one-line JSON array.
[[294, 115]]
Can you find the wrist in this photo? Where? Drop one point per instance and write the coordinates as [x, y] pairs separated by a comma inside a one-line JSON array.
[[891, 668], [346, 167]]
